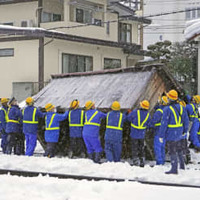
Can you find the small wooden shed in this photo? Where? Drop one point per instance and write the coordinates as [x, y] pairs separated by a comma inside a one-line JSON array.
[[129, 86]]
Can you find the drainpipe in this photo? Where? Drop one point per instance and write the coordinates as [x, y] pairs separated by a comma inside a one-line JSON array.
[[41, 49]]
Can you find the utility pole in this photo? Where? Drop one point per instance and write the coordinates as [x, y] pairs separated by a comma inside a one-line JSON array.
[[41, 49], [141, 27]]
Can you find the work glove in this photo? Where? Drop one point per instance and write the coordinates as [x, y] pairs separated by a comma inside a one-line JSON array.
[[183, 134], [161, 140]]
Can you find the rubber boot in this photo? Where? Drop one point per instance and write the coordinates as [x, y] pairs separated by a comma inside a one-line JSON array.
[[188, 159], [91, 156], [141, 162], [135, 162], [181, 160], [97, 157], [174, 164]]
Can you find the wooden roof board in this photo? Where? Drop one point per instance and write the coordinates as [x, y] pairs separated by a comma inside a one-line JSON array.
[[103, 89]]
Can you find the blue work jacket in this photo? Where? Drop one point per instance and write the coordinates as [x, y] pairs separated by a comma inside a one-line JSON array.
[[195, 133], [156, 119], [174, 123], [192, 112], [52, 122], [30, 119], [3, 117], [14, 124], [92, 123], [76, 120], [114, 125], [139, 119]]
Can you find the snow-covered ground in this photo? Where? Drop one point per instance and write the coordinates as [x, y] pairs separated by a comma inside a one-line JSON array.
[[47, 188]]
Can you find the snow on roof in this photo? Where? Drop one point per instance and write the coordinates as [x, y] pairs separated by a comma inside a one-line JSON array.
[[101, 88], [192, 29]]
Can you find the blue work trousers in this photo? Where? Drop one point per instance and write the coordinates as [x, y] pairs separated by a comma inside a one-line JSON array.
[[92, 144], [31, 142], [159, 150], [113, 150], [176, 153], [4, 136]]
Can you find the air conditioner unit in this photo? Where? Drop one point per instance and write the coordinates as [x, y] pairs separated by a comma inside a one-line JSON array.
[[27, 23]]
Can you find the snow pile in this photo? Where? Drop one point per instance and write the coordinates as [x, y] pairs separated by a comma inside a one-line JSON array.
[[192, 29]]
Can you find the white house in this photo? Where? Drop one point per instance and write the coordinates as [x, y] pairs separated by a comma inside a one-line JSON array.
[[43, 37]]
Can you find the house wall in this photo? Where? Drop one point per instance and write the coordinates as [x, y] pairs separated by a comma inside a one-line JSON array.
[[22, 67], [18, 12]]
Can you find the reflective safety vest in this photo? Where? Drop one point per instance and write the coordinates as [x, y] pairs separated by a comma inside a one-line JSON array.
[[119, 123], [88, 122], [12, 120], [140, 125], [177, 119], [6, 114], [33, 121], [195, 113], [159, 124], [81, 122], [50, 123]]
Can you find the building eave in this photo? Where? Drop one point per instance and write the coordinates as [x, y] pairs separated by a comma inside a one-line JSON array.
[[16, 1], [136, 18], [129, 48]]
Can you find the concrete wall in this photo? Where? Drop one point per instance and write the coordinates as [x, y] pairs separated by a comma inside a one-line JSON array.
[[18, 12], [22, 67]]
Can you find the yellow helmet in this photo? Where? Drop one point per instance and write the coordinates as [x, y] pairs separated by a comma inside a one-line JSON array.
[[89, 105], [74, 104], [4, 100], [29, 100], [145, 104], [164, 100], [49, 107], [172, 94], [181, 102], [115, 105], [197, 99]]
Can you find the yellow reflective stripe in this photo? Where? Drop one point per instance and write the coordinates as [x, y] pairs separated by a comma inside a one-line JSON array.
[[140, 126], [160, 110], [91, 118], [79, 125], [33, 118], [195, 114], [119, 123], [198, 133], [177, 122], [50, 123], [6, 114], [14, 121], [158, 124]]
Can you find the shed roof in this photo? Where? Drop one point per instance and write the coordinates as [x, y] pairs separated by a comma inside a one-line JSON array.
[[103, 87]]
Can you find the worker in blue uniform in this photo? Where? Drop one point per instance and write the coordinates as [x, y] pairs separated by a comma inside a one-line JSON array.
[[4, 120], [15, 138], [174, 125], [52, 129], [159, 147], [192, 110], [30, 125], [114, 132], [76, 120], [91, 128], [139, 119]]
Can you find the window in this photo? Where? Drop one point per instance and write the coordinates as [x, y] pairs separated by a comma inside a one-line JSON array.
[[6, 52], [50, 17], [187, 15], [76, 63], [8, 23], [83, 16], [110, 63], [125, 32]]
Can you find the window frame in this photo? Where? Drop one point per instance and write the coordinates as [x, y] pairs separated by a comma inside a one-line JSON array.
[[77, 56], [7, 55], [112, 59], [124, 29]]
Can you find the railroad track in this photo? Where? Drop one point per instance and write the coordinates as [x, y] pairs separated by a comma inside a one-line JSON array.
[[89, 178]]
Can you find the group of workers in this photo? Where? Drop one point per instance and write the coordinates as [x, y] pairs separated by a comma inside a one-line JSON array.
[[169, 123]]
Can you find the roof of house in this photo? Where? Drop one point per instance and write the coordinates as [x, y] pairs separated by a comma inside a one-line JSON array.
[[103, 87], [192, 29], [40, 32]]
